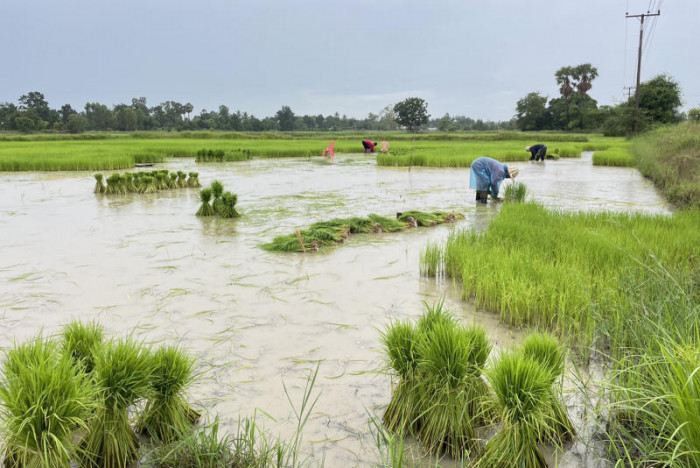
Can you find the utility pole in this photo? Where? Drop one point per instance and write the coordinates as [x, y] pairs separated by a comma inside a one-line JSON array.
[[639, 63], [628, 90]]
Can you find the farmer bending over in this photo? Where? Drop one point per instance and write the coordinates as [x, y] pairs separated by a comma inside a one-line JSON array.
[[487, 175], [368, 145], [538, 151]]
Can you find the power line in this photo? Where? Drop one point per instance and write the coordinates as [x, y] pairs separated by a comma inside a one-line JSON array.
[[639, 62]]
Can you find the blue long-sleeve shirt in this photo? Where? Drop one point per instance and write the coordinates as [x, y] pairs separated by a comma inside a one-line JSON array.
[[486, 175]]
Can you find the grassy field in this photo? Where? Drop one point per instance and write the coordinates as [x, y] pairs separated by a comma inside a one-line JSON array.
[[104, 151]]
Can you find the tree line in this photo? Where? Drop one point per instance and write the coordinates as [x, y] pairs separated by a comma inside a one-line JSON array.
[[32, 113], [574, 109]]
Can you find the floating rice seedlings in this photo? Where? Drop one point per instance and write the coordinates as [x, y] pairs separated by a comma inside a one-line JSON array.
[[44, 399], [193, 180], [167, 414], [123, 373], [546, 350], [522, 389], [228, 205], [385, 224], [451, 397], [400, 340], [515, 192], [82, 341], [205, 209], [99, 186], [217, 189]]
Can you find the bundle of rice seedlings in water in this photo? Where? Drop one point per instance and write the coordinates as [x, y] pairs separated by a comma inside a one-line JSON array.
[[123, 373], [44, 400], [434, 315], [193, 181], [172, 181], [149, 185], [160, 182], [228, 205], [82, 342], [122, 184], [450, 395], [522, 399], [130, 187], [384, 224], [546, 350], [181, 179], [400, 340], [167, 414], [205, 209], [99, 186], [217, 189], [112, 184], [360, 225], [515, 192]]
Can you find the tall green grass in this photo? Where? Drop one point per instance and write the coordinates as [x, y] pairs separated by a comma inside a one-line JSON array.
[[613, 157]]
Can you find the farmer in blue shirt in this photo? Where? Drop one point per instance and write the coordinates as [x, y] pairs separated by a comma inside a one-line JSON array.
[[486, 177], [538, 151]]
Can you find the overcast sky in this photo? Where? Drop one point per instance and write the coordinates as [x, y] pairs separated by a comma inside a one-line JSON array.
[[473, 58]]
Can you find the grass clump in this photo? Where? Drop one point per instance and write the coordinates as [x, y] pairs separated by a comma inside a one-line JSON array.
[[217, 189], [44, 399], [228, 205], [193, 180], [515, 192], [522, 393], [336, 231], [619, 157], [99, 185], [82, 342], [167, 414]]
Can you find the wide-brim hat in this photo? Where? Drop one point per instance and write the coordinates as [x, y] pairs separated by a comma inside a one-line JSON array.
[[513, 172]]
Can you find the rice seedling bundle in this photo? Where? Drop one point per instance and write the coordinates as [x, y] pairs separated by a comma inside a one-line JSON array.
[[217, 189], [205, 209], [335, 231], [82, 342], [452, 392], [172, 183], [167, 415], [123, 372], [522, 393], [193, 180], [44, 400], [401, 340], [228, 205], [160, 182], [112, 184], [515, 192], [181, 179], [99, 186], [546, 350]]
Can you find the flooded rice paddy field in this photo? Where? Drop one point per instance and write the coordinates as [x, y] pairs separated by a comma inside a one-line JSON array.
[[259, 321]]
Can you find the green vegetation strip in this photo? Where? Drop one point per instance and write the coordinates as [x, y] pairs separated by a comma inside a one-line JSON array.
[[336, 231], [145, 182]]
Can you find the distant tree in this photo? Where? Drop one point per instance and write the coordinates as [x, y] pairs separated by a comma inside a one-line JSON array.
[[66, 111], [660, 99], [187, 108], [694, 115], [412, 113], [25, 124], [125, 118], [577, 79], [99, 116], [76, 123], [8, 112], [531, 112], [285, 119]]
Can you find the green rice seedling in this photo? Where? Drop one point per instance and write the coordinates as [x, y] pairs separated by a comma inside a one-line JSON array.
[[435, 314], [228, 205], [522, 398], [123, 184], [130, 186], [82, 342], [400, 340], [217, 189], [167, 414], [431, 260], [99, 185], [205, 209], [451, 398], [181, 179], [385, 224], [193, 180], [149, 185], [613, 157], [44, 400], [172, 181], [160, 182], [123, 372], [418, 218], [515, 192], [546, 350], [112, 184]]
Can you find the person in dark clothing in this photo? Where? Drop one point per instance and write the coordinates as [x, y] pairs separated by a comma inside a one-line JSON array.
[[369, 145], [538, 152]]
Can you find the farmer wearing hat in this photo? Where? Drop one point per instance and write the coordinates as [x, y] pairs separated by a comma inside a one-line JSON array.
[[538, 151], [486, 177]]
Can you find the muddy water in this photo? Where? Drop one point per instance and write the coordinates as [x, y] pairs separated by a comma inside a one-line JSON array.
[[258, 321]]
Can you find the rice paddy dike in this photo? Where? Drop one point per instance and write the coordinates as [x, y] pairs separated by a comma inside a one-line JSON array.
[[102, 152], [262, 325]]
